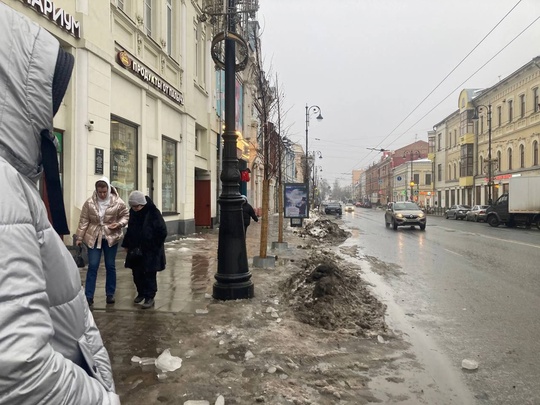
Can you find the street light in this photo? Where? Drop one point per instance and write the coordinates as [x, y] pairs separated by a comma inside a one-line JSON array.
[[489, 162], [233, 278], [411, 153], [314, 109]]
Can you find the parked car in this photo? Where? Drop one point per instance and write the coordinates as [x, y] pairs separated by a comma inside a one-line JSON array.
[[457, 211], [349, 207], [404, 214], [477, 213], [333, 207]]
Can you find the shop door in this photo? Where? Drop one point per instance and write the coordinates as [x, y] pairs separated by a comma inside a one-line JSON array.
[[150, 177], [203, 215]]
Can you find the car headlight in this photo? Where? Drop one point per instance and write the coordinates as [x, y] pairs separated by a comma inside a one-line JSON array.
[[421, 215], [399, 215]]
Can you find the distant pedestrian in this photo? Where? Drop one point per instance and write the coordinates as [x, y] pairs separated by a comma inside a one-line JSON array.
[[103, 216], [302, 206], [51, 350], [144, 244], [248, 213]]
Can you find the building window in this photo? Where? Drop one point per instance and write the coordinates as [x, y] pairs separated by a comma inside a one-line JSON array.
[[522, 105], [482, 124], [481, 169], [521, 156], [148, 17], [499, 157], [169, 27], [455, 172], [439, 172], [439, 139], [510, 159], [536, 100], [416, 178], [467, 165], [168, 183], [124, 147], [510, 110], [428, 179], [499, 115], [535, 153]]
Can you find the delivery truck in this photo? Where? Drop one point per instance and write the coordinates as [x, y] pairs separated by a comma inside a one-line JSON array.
[[520, 206]]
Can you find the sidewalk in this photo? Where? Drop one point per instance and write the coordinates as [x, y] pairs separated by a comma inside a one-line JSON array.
[[188, 279]]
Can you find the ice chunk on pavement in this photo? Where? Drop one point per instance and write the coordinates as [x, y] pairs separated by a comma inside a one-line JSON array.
[[162, 376], [147, 361], [220, 400], [380, 339], [249, 355], [166, 362], [468, 364], [136, 359]]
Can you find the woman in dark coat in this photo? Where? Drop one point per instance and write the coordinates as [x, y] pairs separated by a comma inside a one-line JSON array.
[[248, 212], [147, 232]]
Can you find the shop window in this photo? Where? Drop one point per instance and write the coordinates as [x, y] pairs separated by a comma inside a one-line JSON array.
[[124, 147], [168, 185]]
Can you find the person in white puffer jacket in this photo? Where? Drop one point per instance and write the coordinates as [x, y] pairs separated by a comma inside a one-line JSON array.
[[51, 351]]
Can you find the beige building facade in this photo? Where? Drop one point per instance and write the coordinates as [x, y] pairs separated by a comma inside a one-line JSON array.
[[141, 105], [508, 115]]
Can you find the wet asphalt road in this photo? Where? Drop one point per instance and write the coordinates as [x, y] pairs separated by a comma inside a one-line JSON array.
[[474, 289]]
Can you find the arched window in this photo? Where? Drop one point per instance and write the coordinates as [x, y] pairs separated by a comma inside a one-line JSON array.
[[455, 171], [521, 156], [498, 166], [510, 159], [535, 153], [449, 174], [481, 170]]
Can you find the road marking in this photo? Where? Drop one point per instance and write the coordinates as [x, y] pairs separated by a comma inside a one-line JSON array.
[[491, 237], [512, 241], [456, 253]]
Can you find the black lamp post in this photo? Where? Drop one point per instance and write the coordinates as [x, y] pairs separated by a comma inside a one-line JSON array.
[[412, 153], [233, 278], [314, 109], [489, 162]]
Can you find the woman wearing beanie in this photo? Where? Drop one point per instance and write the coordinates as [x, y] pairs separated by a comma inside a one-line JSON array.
[[100, 227], [144, 242]]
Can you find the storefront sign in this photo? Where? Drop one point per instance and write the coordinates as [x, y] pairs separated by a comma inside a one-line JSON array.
[[57, 15], [138, 69], [98, 161]]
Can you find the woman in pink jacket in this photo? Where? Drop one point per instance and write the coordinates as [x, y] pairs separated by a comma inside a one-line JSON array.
[[100, 228]]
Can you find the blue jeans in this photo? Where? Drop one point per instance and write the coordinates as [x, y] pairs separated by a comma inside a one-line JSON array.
[[94, 257]]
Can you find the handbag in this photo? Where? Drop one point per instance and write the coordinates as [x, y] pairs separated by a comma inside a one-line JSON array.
[[79, 259], [134, 255]]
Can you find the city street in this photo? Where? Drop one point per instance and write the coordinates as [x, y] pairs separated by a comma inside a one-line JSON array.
[[472, 290]]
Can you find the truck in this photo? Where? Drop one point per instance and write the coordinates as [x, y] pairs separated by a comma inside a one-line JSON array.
[[519, 206]]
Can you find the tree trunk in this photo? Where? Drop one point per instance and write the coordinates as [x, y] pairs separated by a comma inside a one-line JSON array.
[[264, 220]]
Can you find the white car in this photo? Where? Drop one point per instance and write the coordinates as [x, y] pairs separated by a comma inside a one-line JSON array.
[[349, 207]]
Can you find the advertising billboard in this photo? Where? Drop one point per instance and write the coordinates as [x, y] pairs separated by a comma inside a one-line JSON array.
[[296, 200]]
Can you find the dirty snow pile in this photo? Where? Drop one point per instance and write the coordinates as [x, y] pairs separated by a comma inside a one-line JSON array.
[[327, 293], [323, 229]]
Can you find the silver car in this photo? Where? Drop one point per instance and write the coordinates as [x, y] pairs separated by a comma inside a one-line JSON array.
[[404, 214], [477, 213]]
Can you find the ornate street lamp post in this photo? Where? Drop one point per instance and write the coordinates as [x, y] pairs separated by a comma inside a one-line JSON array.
[[233, 278], [314, 109], [489, 160]]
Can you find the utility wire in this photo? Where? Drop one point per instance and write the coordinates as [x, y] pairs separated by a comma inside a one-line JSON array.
[[465, 81], [446, 77]]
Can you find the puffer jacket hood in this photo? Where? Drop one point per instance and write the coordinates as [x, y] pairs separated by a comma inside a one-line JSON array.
[[51, 351], [30, 55]]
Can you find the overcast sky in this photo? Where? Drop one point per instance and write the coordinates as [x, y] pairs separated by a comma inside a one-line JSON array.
[[369, 63]]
